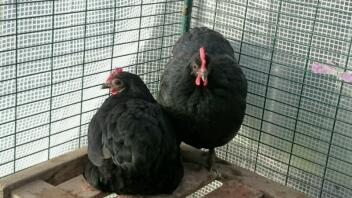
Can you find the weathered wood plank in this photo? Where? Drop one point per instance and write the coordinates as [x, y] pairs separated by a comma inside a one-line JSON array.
[[39, 189], [79, 187], [235, 189], [195, 177], [53, 171], [248, 178], [228, 171], [65, 167]]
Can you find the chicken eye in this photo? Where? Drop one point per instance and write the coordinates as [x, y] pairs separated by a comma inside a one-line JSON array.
[[117, 83], [194, 66]]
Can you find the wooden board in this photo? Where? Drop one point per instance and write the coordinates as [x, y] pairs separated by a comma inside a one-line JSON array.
[[53, 171], [229, 172], [235, 189], [63, 174], [252, 180], [79, 187], [39, 189]]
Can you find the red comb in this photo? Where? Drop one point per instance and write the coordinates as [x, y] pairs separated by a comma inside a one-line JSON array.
[[114, 73], [202, 58], [202, 67]]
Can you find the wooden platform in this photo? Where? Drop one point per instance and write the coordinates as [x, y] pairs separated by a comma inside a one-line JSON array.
[[61, 178]]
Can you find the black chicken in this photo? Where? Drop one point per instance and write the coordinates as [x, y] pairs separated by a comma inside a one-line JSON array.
[[204, 90], [132, 146]]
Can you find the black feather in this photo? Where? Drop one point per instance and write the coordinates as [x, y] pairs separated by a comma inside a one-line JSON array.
[[205, 117], [190, 42], [132, 145]]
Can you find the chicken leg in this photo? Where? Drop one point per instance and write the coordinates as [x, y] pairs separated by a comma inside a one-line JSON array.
[[211, 158]]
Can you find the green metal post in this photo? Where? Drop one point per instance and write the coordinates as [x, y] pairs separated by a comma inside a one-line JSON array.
[[186, 15]]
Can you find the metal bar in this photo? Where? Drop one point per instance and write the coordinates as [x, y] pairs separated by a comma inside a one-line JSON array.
[[156, 70], [289, 80], [322, 153], [214, 20], [252, 161], [130, 65], [51, 76], [266, 89], [113, 38], [301, 92], [64, 118], [81, 90], [41, 150], [40, 1], [333, 128], [157, 81], [215, 13], [27, 2], [44, 149], [76, 52], [89, 10], [16, 91], [262, 72], [295, 94], [303, 121], [93, 23], [290, 177], [285, 14], [106, 46], [33, 1], [162, 41], [298, 108], [243, 30], [186, 15], [48, 136], [61, 119], [139, 35], [221, 24], [93, 36]]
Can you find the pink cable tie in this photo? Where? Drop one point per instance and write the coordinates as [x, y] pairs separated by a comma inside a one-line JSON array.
[[320, 68]]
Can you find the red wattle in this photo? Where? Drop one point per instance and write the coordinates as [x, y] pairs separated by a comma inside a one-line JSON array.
[[205, 82], [114, 91], [198, 80]]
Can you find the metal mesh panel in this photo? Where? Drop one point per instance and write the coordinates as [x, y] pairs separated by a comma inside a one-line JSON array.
[[54, 56], [297, 129]]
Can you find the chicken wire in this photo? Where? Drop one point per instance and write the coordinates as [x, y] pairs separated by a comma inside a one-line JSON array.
[[298, 125], [297, 129], [54, 56]]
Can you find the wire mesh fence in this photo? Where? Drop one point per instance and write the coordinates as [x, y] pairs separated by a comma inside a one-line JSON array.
[[54, 56], [298, 125], [297, 130]]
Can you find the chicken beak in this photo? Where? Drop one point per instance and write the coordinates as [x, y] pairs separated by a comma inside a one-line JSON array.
[[204, 76], [105, 86], [203, 73]]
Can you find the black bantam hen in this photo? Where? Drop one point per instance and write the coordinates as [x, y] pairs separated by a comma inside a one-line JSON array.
[[204, 90], [132, 146]]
